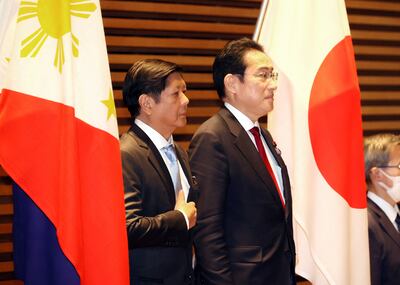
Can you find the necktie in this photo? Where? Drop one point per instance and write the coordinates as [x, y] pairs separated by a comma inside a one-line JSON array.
[[256, 133], [169, 151], [397, 220]]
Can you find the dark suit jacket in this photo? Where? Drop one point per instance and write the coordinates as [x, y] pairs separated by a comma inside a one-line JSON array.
[[384, 247], [160, 245], [243, 234]]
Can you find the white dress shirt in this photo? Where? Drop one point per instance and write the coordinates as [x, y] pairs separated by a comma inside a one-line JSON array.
[[390, 211], [160, 142], [247, 124]]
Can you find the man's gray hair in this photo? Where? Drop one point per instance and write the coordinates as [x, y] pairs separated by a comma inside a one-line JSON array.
[[377, 150]]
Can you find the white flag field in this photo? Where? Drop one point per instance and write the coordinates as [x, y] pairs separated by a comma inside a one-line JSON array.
[[59, 142], [316, 123]]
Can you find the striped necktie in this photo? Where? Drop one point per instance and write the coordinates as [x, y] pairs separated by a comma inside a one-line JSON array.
[[169, 151], [256, 133]]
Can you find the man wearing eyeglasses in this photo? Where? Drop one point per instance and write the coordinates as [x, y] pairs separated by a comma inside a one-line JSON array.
[[244, 226], [382, 172]]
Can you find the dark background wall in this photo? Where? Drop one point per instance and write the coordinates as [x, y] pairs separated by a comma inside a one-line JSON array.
[[190, 32]]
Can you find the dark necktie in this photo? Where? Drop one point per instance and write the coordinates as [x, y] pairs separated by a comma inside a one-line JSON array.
[[397, 220], [256, 133]]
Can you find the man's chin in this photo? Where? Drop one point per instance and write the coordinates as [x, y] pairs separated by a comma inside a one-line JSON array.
[[182, 122], [268, 108]]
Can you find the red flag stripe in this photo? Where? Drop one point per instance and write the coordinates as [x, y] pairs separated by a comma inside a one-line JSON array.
[[83, 208]]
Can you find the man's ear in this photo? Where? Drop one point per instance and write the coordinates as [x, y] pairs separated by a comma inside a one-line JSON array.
[[231, 84], [146, 103], [375, 174]]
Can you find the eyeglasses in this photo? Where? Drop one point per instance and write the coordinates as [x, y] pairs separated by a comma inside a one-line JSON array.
[[265, 75], [389, 166]]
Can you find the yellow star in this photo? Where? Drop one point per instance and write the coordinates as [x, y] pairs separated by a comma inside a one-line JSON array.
[[109, 103]]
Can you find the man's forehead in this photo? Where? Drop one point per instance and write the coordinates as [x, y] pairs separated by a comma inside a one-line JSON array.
[[258, 60], [395, 153], [175, 80]]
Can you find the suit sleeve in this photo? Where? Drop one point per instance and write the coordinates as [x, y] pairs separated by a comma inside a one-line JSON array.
[[375, 252], [165, 229], [208, 163]]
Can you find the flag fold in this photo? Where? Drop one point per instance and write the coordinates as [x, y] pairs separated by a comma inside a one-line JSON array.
[[59, 141], [316, 123]]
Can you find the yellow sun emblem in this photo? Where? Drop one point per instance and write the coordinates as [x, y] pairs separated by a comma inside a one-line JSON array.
[[55, 21]]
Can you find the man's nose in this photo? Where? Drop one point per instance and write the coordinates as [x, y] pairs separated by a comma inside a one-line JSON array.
[[272, 84], [184, 99]]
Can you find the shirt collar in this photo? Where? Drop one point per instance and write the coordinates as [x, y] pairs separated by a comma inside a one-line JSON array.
[[158, 140], [391, 212], [244, 121]]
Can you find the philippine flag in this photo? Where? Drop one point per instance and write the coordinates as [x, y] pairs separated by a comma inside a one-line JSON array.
[[316, 123], [59, 143]]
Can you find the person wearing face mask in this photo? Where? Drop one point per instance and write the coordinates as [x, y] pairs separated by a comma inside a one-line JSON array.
[[382, 172]]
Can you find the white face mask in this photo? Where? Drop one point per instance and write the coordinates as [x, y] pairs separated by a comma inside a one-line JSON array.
[[394, 191]]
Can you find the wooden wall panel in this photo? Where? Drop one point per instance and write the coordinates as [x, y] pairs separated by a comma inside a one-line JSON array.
[[6, 211], [375, 28], [190, 32]]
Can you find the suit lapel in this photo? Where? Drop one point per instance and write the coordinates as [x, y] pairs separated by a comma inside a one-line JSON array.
[[285, 176], [384, 222], [272, 146], [246, 147], [183, 162], [156, 161], [186, 170]]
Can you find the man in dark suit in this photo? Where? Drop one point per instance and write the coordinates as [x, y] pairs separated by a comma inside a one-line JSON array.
[[382, 172], [244, 229], [157, 178]]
